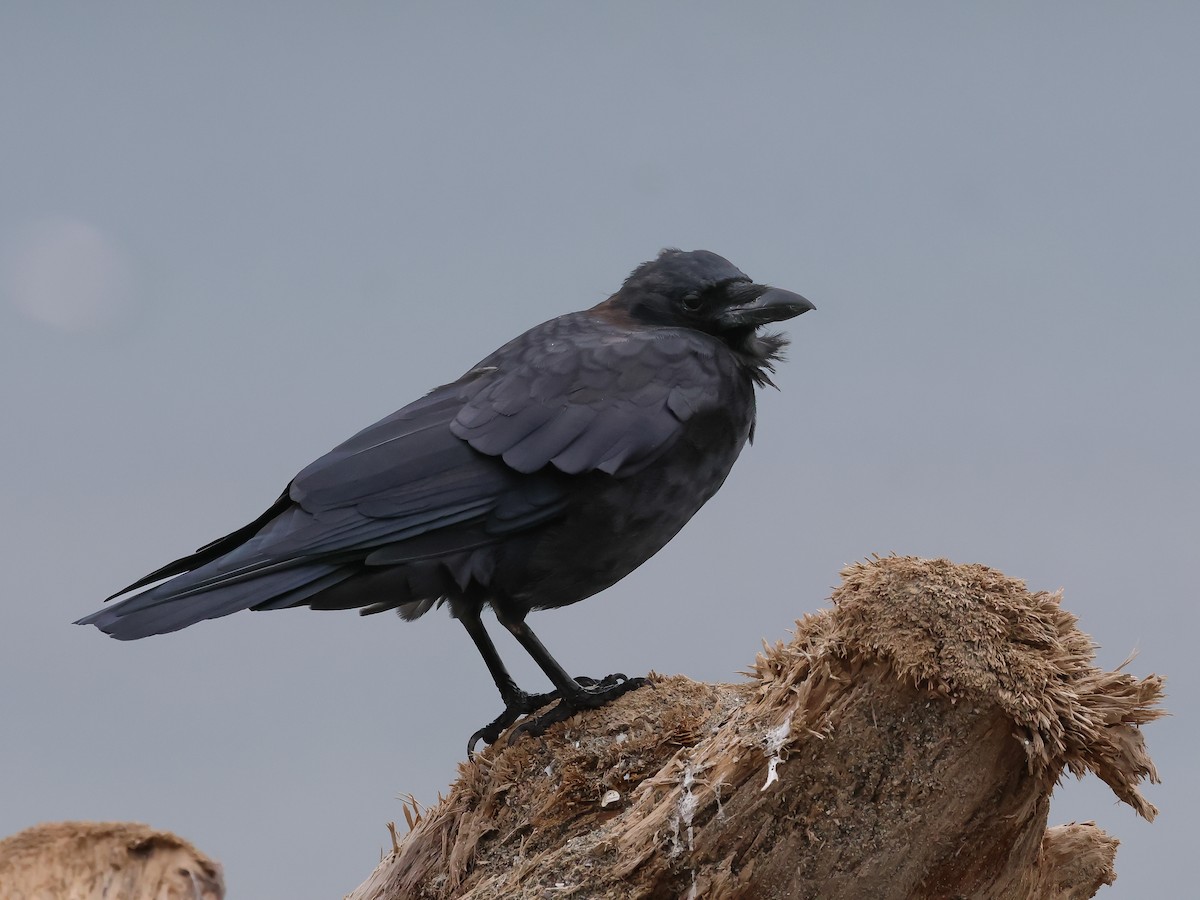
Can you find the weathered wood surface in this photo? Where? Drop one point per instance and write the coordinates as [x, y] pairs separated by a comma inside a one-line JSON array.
[[904, 743]]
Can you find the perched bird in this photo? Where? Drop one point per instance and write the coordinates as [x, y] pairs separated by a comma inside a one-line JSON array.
[[549, 471]]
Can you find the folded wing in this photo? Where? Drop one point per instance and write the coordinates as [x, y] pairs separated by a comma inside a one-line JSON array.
[[429, 489]]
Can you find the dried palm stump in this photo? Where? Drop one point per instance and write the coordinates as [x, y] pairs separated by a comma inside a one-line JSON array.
[[903, 744]]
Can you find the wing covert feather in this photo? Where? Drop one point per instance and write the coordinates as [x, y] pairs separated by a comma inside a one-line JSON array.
[[585, 395]]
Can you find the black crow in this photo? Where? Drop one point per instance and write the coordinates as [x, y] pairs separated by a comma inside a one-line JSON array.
[[549, 471]]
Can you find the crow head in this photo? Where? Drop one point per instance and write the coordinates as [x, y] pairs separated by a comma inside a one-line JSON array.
[[700, 290]]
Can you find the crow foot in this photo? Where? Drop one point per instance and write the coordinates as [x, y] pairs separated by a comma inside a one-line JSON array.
[[519, 704], [592, 694]]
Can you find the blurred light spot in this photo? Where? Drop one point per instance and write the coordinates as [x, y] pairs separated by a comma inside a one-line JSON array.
[[65, 273]]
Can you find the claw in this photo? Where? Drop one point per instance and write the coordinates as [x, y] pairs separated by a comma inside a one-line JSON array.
[[490, 732], [518, 706]]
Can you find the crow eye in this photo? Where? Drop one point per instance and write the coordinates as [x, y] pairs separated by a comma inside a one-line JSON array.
[[692, 302]]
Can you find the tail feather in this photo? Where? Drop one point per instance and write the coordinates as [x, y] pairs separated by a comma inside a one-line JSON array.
[[298, 596], [211, 551], [171, 606]]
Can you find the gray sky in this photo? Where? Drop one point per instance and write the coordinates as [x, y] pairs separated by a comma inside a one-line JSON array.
[[233, 234]]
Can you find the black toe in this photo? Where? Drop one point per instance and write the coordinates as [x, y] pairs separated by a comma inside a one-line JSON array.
[[595, 695]]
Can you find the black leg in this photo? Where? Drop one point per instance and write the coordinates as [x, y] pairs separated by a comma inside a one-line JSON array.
[[469, 616], [517, 703], [573, 693]]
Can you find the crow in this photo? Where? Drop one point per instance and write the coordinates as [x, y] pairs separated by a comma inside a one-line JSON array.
[[546, 473]]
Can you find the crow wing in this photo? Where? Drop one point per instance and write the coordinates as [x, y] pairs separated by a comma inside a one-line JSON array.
[[466, 466], [403, 478]]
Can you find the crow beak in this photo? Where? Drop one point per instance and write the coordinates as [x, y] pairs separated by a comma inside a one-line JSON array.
[[764, 304]]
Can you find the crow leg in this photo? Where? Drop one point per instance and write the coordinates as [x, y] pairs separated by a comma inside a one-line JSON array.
[[509, 692], [573, 693], [517, 702]]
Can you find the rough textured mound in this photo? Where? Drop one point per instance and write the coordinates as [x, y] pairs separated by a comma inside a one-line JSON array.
[[903, 744], [105, 861]]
